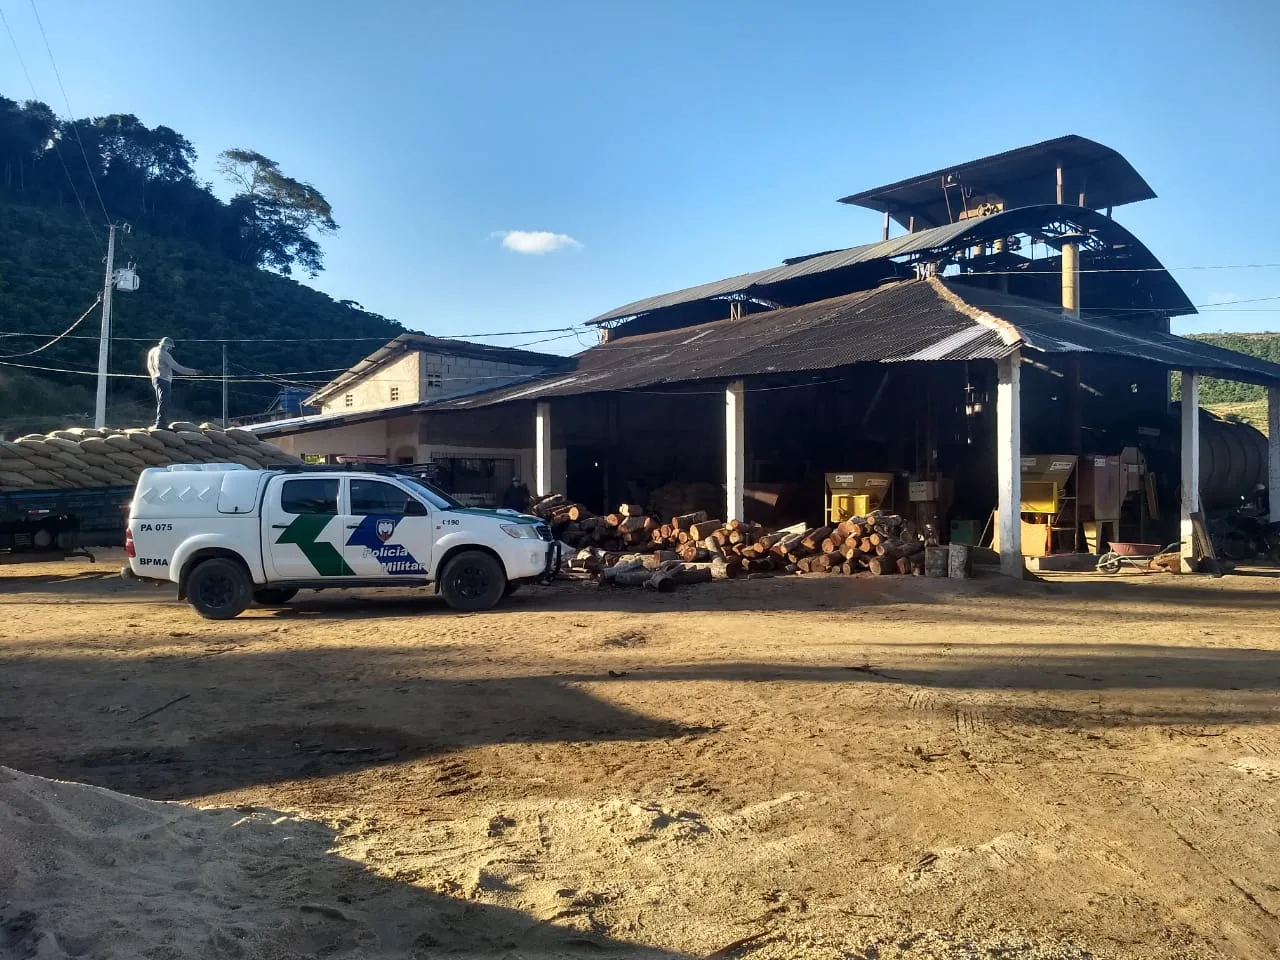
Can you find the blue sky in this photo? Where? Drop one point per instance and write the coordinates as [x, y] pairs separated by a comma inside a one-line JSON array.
[[678, 142]]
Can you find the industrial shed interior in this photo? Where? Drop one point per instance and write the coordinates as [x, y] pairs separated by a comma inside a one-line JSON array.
[[999, 373]]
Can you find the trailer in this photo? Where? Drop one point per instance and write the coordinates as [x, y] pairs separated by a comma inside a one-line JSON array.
[[52, 524]]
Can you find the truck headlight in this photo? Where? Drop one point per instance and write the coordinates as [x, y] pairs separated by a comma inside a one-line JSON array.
[[521, 531]]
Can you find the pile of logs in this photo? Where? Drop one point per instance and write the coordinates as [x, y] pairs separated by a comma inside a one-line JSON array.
[[880, 544]]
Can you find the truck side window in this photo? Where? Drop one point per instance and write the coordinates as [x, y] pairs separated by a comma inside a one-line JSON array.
[[309, 496], [375, 498]]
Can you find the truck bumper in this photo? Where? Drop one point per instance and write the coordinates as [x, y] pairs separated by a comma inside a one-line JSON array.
[[553, 562]]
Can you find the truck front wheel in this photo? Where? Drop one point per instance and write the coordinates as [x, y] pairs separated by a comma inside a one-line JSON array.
[[219, 589], [473, 580]]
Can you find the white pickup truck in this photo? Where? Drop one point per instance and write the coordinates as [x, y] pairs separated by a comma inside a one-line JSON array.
[[229, 536]]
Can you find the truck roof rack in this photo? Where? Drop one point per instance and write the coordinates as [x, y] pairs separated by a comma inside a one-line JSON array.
[[413, 469]]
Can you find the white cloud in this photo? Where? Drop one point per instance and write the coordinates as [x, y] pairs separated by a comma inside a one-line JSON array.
[[535, 241]]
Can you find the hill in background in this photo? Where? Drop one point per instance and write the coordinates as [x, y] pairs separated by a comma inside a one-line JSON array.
[[51, 270], [1239, 401], [210, 270]]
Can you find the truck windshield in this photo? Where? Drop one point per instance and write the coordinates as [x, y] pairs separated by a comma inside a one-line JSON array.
[[432, 494]]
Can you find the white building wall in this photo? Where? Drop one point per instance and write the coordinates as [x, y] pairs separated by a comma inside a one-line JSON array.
[[396, 382], [420, 375]]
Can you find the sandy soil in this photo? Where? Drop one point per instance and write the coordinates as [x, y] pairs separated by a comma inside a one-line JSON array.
[[803, 767]]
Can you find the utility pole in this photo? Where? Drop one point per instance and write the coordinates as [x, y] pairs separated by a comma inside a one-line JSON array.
[[104, 338], [224, 385]]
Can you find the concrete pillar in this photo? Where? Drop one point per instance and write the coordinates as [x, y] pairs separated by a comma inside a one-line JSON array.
[[735, 449], [542, 449], [1273, 451], [1190, 465], [1071, 279], [1009, 463]]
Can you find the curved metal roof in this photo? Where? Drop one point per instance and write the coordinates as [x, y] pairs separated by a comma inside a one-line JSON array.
[[771, 284], [1023, 177]]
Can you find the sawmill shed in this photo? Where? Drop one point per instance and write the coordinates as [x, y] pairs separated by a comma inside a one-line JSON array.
[[1014, 327]]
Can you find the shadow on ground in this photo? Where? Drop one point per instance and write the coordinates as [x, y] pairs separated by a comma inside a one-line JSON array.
[[243, 718]]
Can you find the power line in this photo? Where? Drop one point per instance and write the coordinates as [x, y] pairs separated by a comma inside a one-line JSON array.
[[382, 339], [71, 117], [57, 151], [64, 333], [1056, 273]]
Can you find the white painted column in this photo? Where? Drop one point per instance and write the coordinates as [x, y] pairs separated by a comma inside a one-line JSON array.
[[542, 449], [1273, 451], [1009, 463], [735, 449], [1190, 465]]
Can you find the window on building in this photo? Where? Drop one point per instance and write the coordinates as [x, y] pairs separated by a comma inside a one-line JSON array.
[[309, 496], [375, 498], [349, 400], [434, 380], [395, 394]]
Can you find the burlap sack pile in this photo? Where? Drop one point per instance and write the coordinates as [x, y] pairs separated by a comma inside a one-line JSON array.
[[89, 457]]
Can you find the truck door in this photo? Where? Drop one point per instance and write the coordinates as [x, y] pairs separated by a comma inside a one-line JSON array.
[[389, 531], [303, 533]]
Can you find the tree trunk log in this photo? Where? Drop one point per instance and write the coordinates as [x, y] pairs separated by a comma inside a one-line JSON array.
[[882, 566], [813, 539], [685, 521], [704, 528]]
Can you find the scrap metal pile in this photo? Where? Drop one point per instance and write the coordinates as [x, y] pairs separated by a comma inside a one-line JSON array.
[[86, 457], [633, 548]]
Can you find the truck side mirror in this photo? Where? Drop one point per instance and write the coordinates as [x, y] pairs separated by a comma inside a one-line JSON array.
[[415, 508]]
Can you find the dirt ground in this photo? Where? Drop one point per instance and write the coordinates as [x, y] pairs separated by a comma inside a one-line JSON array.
[[801, 767]]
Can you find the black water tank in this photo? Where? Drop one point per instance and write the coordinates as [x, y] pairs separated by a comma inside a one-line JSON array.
[[1233, 455], [1233, 460]]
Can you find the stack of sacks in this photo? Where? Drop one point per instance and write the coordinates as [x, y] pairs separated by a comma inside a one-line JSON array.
[[90, 457]]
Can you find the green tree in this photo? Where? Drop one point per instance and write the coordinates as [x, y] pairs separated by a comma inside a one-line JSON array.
[[276, 214]]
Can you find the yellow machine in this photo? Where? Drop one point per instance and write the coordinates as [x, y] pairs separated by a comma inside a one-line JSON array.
[[1049, 515], [1044, 482], [855, 494]]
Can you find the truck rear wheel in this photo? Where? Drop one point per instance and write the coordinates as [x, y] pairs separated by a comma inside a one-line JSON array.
[[273, 596], [219, 589], [473, 580]]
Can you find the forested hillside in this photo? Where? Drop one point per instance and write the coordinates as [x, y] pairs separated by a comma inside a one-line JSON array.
[[1265, 346], [209, 270]]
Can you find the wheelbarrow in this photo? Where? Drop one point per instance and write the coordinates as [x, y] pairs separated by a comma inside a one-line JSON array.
[[1135, 555]]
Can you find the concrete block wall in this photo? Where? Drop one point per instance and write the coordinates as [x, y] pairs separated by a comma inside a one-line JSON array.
[[463, 375]]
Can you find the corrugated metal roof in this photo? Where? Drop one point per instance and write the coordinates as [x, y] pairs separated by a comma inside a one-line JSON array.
[[764, 282], [900, 322], [918, 320], [1021, 177], [1048, 329]]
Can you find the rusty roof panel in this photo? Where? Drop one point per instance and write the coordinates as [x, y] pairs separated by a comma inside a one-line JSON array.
[[1046, 328], [900, 322], [769, 283]]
